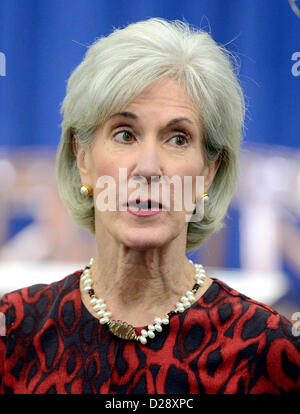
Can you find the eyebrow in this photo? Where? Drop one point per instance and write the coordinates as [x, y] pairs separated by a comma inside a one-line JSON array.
[[125, 115], [134, 116], [177, 120]]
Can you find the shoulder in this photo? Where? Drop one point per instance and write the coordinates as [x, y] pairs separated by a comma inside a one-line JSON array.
[[36, 301], [260, 335], [33, 321], [254, 316]]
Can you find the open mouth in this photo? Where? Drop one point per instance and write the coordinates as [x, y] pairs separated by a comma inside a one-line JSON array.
[[145, 205]]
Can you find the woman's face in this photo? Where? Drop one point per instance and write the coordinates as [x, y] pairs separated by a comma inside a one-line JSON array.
[[158, 135]]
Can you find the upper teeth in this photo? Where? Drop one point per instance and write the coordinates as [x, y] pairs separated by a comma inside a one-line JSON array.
[[145, 205]]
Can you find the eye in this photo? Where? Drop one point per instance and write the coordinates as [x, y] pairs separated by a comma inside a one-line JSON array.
[[179, 140], [124, 137]]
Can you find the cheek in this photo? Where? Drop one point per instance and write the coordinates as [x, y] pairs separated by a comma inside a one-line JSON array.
[[102, 164], [192, 170], [193, 181], [192, 185], [103, 168]]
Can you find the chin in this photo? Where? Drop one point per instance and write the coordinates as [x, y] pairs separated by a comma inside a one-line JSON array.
[[145, 239]]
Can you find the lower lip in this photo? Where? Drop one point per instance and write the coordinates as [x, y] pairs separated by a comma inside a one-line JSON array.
[[143, 213]]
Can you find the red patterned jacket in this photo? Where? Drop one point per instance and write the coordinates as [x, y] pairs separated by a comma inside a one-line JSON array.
[[225, 343]]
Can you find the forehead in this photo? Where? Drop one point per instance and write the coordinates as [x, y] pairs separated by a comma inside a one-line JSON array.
[[168, 94]]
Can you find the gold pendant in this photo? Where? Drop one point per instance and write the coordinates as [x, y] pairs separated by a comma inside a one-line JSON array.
[[122, 330]]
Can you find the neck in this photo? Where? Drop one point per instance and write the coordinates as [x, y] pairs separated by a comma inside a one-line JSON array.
[[121, 328], [137, 279], [139, 285]]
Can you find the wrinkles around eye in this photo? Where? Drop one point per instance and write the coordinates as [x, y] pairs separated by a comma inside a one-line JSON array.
[[124, 137], [180, 140]]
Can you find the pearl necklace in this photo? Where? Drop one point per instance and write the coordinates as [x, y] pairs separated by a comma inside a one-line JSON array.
[[122, 329]]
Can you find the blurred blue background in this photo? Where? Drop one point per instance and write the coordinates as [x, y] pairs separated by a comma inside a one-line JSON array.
[[42, 41]]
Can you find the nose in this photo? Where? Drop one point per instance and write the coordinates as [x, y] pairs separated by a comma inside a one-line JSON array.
[[148, 162]]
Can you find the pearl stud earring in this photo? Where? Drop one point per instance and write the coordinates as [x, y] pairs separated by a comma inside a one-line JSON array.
[[86, 190], [204, 196]]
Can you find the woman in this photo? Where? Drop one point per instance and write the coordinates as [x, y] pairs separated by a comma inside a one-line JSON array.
[[153, 101]]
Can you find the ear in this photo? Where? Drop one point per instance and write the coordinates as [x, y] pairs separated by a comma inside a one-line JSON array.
[[83, 161], [211, 170]]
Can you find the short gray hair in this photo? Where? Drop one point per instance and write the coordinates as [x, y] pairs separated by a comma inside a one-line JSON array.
[[117, 68]]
